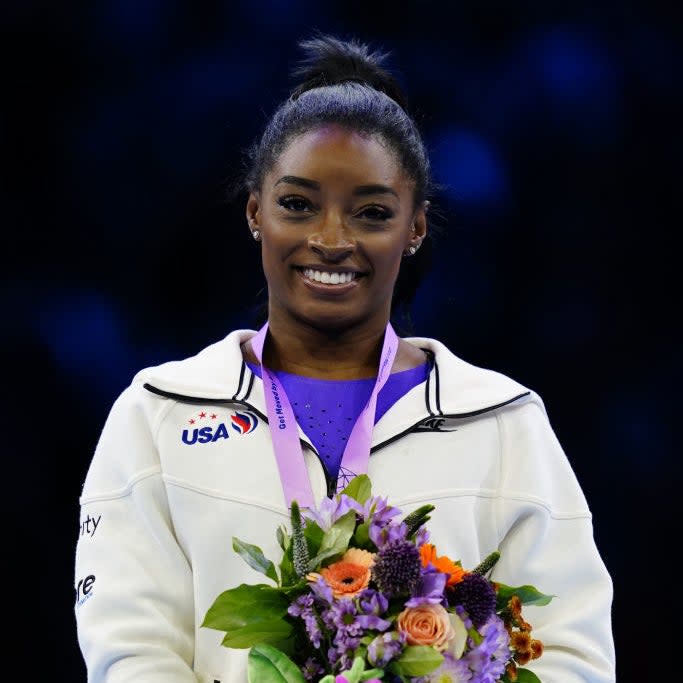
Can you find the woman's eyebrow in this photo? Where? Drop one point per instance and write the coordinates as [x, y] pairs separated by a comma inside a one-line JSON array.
[[360, 191], [363, 190], [301, 182]]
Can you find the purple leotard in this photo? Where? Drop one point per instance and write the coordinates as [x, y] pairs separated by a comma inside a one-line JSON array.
[[327, 409]]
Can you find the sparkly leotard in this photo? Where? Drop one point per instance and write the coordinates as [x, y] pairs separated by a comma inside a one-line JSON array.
[[327, 409]]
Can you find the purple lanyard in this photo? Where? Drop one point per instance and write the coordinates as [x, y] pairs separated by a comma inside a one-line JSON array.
[[285, 435]]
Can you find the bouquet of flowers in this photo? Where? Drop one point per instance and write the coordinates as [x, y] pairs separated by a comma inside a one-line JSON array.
[[360, 594]]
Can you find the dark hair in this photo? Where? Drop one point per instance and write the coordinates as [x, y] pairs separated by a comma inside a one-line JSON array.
[[344, 82]]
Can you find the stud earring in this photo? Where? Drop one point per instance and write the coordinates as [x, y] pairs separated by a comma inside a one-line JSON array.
[[412, 250], [256, 234]]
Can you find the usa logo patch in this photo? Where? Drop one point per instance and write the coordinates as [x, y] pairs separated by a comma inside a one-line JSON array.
[[209, 427]]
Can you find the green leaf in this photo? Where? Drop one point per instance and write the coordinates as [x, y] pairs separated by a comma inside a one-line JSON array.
[[314, 536], [246, 604], [266, 664], [272, 631], [359, 488], [283, 537], [287, 573], [361, 537], [528, 595], [419, 660], [254, 557], [526, 676], [336, 539]]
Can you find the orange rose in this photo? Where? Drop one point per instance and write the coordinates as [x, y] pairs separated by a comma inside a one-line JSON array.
[[426, 625]]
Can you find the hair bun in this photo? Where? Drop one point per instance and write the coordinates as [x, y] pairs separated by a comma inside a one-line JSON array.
[[329, 61]]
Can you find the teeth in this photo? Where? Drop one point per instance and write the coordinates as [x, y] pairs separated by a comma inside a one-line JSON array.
[[329, 278]]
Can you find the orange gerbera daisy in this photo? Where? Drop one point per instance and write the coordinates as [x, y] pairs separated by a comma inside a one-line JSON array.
[[442, 563], [346, 579]]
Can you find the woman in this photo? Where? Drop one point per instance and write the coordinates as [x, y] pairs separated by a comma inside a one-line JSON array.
[[200, 450]]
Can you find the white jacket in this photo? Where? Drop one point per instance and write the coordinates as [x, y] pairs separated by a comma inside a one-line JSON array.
[[161, 503]]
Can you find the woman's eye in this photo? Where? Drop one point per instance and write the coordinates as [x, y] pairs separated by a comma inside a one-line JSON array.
[[296, 204], [375, 213]]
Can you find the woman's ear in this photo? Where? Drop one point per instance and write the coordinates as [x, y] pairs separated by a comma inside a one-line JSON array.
[[253, 216], [418, 228]]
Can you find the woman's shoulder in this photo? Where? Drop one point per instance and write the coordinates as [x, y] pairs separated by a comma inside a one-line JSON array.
[[210, 373], [463, 387]]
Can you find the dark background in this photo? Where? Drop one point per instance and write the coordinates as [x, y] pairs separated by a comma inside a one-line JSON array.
[[555, 131]]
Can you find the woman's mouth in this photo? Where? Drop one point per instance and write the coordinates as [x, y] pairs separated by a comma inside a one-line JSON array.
[[329, 277]]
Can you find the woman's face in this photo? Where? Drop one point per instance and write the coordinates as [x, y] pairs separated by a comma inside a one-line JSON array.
[[336, 215]]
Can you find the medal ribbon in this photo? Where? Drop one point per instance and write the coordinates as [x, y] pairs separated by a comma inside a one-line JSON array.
[[284, 432]]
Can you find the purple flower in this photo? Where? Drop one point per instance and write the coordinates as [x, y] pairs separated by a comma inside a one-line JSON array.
[[371, 601], [422, 536], [342, 617], [430, 589], [383, 534], [370, 622], [311, 670], [476, 594], [343, 651], [378, 511], [303, 607], [372, 604], [397, 568], [322, 590], [303, 604], [487, 660], [385, 647], [451, 670], [330, 510]]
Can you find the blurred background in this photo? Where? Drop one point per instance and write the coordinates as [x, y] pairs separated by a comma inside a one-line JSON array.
[[555, 132]]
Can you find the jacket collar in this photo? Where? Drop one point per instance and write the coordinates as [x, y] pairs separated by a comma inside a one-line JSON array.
[[218, 373]]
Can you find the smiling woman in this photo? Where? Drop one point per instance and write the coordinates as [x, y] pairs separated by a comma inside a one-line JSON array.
[[336, 215], [223, 444]]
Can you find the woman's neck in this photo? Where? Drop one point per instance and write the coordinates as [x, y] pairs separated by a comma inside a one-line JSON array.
[[351, 354]]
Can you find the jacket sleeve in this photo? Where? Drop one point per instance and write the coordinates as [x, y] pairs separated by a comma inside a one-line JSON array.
[[548, 541], [134, 596]]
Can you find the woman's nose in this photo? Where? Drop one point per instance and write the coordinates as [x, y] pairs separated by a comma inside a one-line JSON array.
[[332, 241]]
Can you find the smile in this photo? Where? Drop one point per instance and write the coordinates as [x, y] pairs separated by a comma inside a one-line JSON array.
[[328, 278]]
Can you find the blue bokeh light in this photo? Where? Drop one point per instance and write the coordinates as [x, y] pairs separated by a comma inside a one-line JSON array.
[[469, 167], [80, 328]]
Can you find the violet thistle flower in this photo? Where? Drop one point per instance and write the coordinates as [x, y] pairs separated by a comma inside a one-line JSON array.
[[476, 595], [397, 568]]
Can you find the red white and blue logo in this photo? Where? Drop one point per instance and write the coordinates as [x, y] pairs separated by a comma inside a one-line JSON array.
[[209, 427]]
